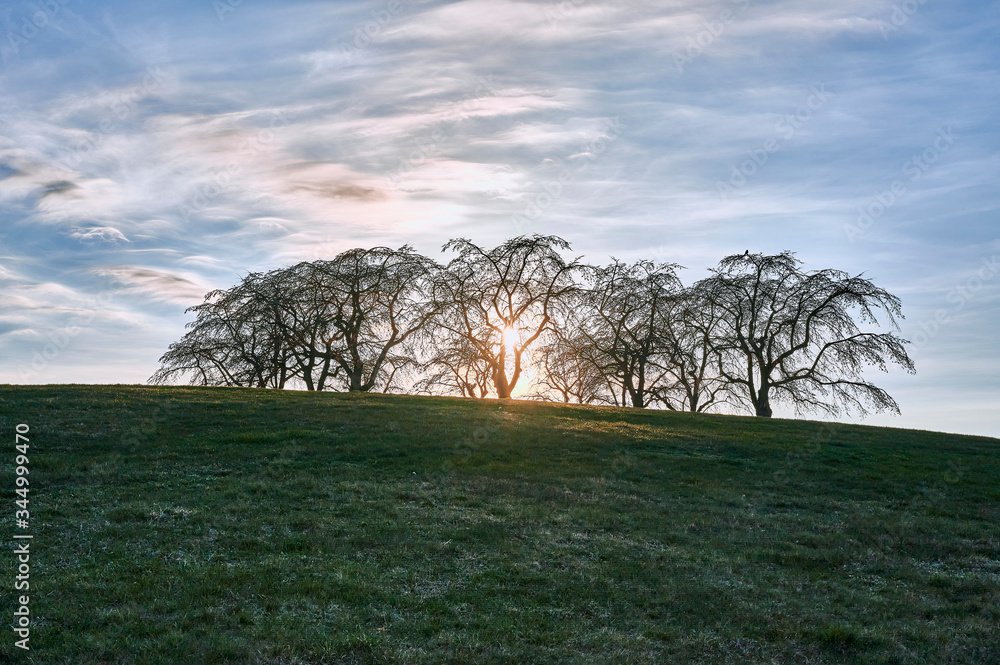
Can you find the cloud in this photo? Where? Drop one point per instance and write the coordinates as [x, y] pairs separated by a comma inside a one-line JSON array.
[[154, 284], [339, 191], [102, 233], [201, 261], [58, 187], [7, 275]]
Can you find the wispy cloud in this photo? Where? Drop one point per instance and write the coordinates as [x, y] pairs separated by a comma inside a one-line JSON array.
[[152, 284]]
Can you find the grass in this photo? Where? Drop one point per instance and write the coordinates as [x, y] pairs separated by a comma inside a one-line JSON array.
[[194, 525]]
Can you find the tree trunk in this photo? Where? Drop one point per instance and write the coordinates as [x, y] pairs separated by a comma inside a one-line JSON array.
[[324, 373], [307, 375], [356, 384], [763, 403], [500, 377]]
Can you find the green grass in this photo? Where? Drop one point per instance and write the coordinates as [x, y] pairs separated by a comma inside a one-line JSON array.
[[199, 525]]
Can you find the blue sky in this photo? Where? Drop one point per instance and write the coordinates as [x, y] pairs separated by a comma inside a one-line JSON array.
[[150, 152]]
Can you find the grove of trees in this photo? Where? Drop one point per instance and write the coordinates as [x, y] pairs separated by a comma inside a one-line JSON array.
[[758, 331]]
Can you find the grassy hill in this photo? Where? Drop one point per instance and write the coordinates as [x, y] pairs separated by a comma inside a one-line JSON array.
[[200, 525]]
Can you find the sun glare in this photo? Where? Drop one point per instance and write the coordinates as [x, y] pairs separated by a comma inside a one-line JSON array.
[[509, 338]]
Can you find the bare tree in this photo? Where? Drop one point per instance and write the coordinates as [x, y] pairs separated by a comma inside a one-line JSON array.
[[235, 340], [690, 328], [759, 331], [346, 321], [627, 309], [455, 368], [791, 336], [566, 364], [298, 305], [377, 300], [500, 301]]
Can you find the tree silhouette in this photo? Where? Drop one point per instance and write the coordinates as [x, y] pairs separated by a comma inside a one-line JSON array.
[[499, 301], [347, 321], [758, 331], [788, 335], [692, 324], [235, 340], [379, 300], [627, 311], [455, 367], [567, 364]]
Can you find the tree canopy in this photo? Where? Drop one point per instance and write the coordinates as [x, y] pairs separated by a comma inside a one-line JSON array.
[[793, 336], [759, 331]]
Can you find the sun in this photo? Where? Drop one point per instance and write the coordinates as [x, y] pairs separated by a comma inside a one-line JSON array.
[[509, 338]]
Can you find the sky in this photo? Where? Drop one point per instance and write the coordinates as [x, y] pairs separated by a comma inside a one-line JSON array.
[[151, 152]]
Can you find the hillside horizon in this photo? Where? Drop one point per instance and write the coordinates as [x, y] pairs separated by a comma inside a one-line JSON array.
[[518, 400]]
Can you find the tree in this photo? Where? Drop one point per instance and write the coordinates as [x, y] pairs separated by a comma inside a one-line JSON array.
[[455, 367], [791, 336], [235, 340], [691, 325], [297, 302], [376, 301], [347, 320], [627, 311], [498, 302], [757, 332], [565, 362]]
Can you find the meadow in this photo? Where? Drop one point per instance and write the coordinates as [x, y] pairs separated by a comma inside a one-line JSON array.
[[227, 525]]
